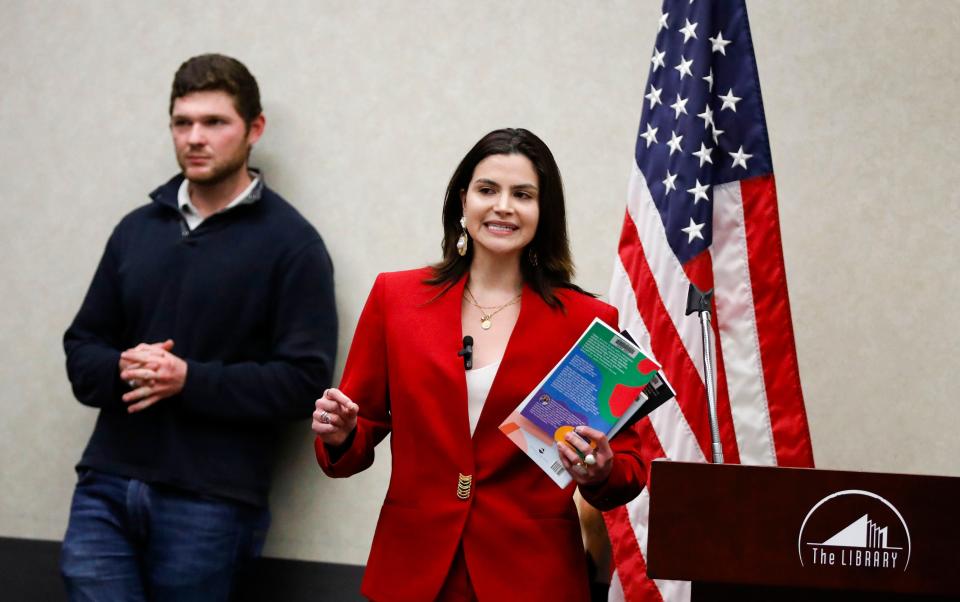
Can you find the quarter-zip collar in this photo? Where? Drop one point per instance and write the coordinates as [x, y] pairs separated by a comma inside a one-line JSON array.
[[166, 194]]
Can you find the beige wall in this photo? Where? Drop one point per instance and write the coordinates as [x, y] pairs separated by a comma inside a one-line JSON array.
[[370, 105]]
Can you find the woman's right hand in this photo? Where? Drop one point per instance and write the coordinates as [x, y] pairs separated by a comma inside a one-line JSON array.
[[335, 417]]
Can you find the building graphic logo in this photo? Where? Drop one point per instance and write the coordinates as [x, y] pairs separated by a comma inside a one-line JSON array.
[[854, 529]]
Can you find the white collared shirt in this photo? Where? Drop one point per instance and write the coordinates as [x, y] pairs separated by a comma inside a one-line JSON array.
[[189, 211]]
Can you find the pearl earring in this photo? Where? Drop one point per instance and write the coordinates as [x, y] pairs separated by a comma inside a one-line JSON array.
[[462, 241]]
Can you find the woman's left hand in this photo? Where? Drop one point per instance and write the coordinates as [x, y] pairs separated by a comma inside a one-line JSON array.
[[582, 469]]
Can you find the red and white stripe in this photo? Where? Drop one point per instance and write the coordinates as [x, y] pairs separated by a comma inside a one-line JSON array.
[[760, 403]]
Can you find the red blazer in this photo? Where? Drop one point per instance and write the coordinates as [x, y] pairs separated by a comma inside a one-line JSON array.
[[520, 532]]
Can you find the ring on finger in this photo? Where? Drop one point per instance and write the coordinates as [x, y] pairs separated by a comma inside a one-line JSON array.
[[590, 459], [324, 417]]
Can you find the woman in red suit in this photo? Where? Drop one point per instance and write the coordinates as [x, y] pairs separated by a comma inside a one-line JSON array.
[[467, 515]]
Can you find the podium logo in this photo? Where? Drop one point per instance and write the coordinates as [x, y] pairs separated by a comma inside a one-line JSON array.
[[854, 529]]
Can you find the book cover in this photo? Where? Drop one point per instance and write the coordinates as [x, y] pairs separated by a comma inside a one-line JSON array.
[[603, 381]]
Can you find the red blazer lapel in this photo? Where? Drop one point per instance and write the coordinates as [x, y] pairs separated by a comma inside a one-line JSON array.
[[438, 335]]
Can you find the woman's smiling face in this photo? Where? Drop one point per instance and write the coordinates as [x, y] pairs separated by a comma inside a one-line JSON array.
[[502, 204]]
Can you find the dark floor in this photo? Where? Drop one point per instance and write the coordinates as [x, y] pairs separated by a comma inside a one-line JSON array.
[[28, 572]]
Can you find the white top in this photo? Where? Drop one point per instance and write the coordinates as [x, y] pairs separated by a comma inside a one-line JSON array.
[[479, 381]]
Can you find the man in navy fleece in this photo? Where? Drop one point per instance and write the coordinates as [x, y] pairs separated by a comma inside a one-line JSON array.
[[210, 322]]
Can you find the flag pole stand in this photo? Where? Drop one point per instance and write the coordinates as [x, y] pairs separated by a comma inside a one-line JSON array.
[[699, 302]]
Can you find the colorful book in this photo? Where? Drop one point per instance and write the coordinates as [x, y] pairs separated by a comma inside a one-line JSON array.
[[605, 381]]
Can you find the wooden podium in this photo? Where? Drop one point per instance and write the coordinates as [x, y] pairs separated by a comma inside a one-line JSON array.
[[767, 533]]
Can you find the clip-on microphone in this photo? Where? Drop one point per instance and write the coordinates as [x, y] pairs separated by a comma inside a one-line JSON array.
[[467, 352]]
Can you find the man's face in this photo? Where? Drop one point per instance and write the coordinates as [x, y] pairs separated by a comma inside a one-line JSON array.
[[210, 138]]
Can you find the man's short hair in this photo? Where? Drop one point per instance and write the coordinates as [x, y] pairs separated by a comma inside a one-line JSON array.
[[218, 72]]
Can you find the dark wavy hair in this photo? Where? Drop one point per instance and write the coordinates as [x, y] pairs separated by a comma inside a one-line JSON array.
[[545, 264], [208, 72]]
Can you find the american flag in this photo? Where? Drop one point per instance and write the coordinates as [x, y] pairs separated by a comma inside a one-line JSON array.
[[702, 208]]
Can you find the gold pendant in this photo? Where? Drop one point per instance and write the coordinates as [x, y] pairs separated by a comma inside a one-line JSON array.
[[485, 323]]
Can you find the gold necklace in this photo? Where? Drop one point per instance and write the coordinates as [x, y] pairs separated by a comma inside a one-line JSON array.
[[486, 318]]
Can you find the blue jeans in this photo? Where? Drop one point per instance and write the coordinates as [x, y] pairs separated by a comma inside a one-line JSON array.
[[129, 540]]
